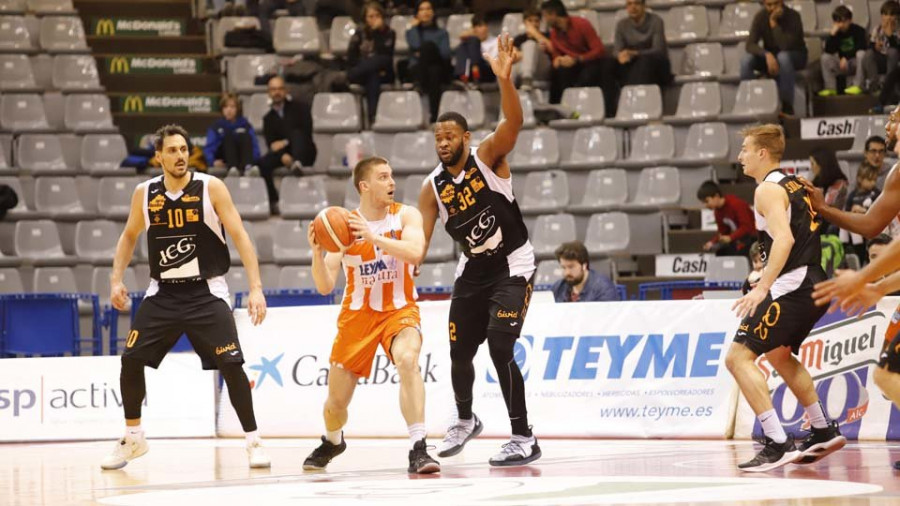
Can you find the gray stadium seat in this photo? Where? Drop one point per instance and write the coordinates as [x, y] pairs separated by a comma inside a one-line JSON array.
[[650, 145], [535, 150], [587, 102], [757, 101], [593, 147], [513, 23], [736, 20], [290, 245], [88, 113], [575, 4], [296, 277], [335, 113], [551, 230], [638, 105], [41, 154], [351, 196], [702, 61], [442, 247], [63, 34], [54, 280], [12, 7], [859, 8], [38, 242], [21, 211], [296, 35], [249, 196], [592, 16], [233, 254], [606, 5], [400, 24], [255, 107], [413, 153], [734, 268], [528, 119], [95, 241], [243, 69], [342, 29], [398, 111], [100, 283], [48, 7], [14, 36], [698, 101], [75, 72], [103, 154], [410, 190], [865, 127], [237, 281], [658, 187], [618, 233], [545, 192], [57, 198], [11, 281], [22, 113], [114, 196], [457, 24], [606, 189], [686, 23], [228, 24], [302, 197], [337, 165], [16, 74], [468, 103], [705, 145], [441, 275], [547, 273], [807, 11]]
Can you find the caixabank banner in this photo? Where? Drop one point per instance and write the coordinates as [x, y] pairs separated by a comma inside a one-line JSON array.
[[840, 354]]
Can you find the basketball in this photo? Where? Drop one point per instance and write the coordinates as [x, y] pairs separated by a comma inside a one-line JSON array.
[[332, 229]]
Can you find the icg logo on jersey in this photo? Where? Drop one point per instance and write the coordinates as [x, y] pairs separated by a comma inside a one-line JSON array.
[[177, 253]]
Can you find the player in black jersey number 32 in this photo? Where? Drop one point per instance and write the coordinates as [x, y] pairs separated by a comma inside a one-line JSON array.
[[778, 313], [185, 215], [471, 191]]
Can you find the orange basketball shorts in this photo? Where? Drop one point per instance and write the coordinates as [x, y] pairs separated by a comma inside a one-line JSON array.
[[360, 332]]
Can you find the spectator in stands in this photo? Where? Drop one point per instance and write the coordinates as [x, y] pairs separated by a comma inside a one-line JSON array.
[[874, 157], [640, 47], [734, 220], [579, 282], [783, 51], [877, 245], [429, 55], [288, 131], [578, 55], [859, 200], [370, 55], [470, 63], [756, 267], [828, 176], [884, 46], [231, 141], [532, 36], [845, 49]]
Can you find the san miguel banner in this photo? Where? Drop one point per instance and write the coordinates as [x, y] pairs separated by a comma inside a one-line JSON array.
[[152, 65], [137, 104], [156, 27], [633, 369], [840, 354]]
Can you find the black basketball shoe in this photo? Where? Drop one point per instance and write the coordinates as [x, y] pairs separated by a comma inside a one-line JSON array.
[[321, 456], [772, 456], [419, 460], [821, 443]]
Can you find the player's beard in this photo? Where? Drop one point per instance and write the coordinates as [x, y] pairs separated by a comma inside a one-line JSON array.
[[454, 157]]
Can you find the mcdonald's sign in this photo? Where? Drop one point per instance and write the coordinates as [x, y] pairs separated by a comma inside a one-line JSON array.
[[105, 27], [133, 103], [119, 65]]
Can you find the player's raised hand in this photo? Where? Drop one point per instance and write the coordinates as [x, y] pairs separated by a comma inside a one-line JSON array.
[[506, 56], [256, 306], [118, 296]]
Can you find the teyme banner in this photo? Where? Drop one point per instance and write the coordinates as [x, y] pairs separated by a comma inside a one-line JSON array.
[[624, 369], [45, 399], [840, 354]]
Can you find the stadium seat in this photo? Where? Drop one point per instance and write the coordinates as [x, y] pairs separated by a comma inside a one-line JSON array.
[[400, 24], [702, 61], [807, 11], [513, 23], [757, 101], [63, 34], [658, 188], [413, 153], [606, 5], [290, 245], [100, 282], [237, 280], [698, 101], [398, 111], [685, 24], [338, 165], [302, 197], [103, 154], [228, 24], [41, 154], [342, 29], [551, 230], [859, 8], [442, 247], [22, 113], [243, 70], [88, 113], [547, 272], [255, 108], [21, 211], [457, 24], [410, 189], [436, 277], [14, 36], [49, 7], [535, 150], [75, 73], [468, 103], [705, 145], [114, 196], [95, 241], [618, 233], [865, 127], [57, 198], [335, 113], [545, 192], [606, 189], [12, 7], [587, 103], [296, 277], [233, 254], [17, 75], [11, 281], [638, 105], [650, 145], [37, 241], [528, 119], [249, 196], [732, 268], [593, 147], [54, 280], [736, 20], [296, 35]]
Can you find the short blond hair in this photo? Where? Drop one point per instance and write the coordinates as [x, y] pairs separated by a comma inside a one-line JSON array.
[[769, 137], [364, 167]]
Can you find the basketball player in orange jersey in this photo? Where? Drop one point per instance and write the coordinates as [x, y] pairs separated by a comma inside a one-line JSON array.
[[857, 291], [379, 307]]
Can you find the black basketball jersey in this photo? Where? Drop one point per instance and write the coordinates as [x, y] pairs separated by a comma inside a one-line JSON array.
[[480, 213], [185, 239], [807, 248]]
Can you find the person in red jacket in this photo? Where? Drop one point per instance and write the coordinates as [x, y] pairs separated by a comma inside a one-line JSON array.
[[578, 56], [737, 226]]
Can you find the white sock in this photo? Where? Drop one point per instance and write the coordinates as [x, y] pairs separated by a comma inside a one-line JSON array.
[[771, 426], [816, 415], [334, 436], [252, 437], [134, 431], [417, 433]]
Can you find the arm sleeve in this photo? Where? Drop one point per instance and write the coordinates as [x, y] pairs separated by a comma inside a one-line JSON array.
[[608, 292], [412, 39], [619, 38], [353, 49], [752, 46], [659, 39], [212, 144], [444, 44], [746, 222], [269, 129], [793, 31], [596, 50]]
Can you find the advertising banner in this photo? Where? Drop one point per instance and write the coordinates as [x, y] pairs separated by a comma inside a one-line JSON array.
[[840, 127], [152, 65], [682, 265], [46, 399], [156, 27], [840, 354], [623, 369], [137, 104]]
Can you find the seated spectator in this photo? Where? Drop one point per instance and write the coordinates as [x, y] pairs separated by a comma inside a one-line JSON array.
[[859, 200], [828, 176], [475, 43], [370, 55], [884, 47], [845, 49], [288, 131], [734, 220], [756, 267], [530, 45], [429, 55], [231, 140], [875, 150], [578, 55], [640, 47], [877, 245], [783, 50], [579, 282]]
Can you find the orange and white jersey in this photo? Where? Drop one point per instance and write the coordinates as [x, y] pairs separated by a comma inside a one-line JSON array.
[[374, 278]]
